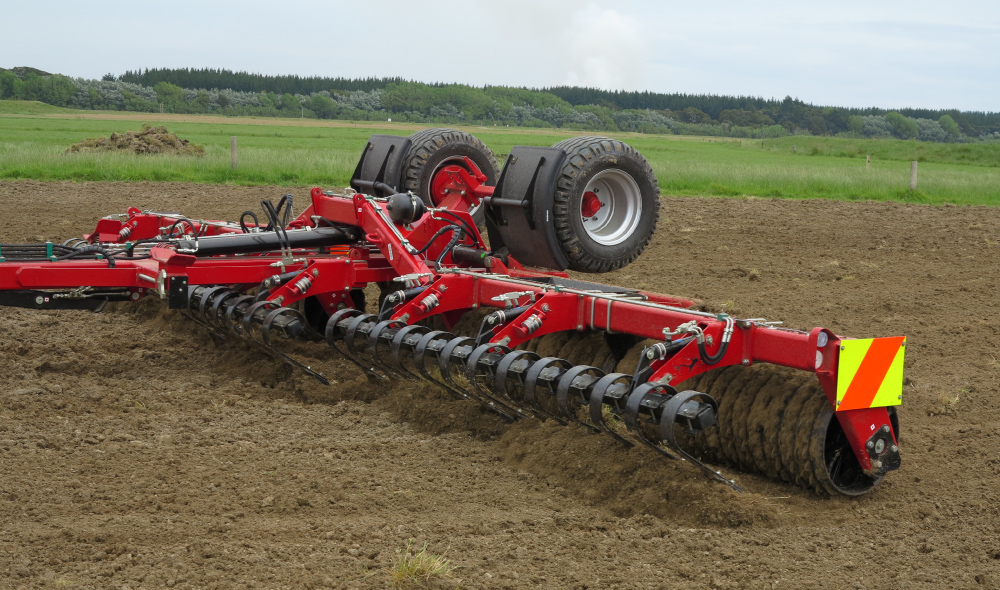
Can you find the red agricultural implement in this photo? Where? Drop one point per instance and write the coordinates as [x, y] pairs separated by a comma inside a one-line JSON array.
[[665, 374]]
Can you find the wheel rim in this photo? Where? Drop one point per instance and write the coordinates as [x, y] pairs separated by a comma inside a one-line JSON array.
[[611, 207], [445, 192]]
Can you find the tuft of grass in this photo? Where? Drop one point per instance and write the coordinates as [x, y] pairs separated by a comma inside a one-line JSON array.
[[420, 566], [948, 402], [614, 422]]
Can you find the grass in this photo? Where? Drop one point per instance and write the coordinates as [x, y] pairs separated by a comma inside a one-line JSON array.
[[419, 567], [307, 152]]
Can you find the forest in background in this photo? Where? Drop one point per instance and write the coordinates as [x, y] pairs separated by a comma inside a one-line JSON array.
[[225, 92]]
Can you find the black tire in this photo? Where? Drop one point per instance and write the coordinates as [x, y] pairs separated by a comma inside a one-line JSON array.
[[431, 149], [612, 239]]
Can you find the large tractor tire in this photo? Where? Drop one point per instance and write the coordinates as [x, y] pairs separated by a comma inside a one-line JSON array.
[[431, 152], [606, 203]]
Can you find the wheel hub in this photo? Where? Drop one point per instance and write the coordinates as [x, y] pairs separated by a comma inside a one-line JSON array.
[[591, 204], [611, 207]]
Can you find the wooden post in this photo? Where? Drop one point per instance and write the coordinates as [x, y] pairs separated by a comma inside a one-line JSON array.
[[232, 152], [913, 175], [868, 161]]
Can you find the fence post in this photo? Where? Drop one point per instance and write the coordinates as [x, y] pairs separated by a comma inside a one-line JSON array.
[[868, 161], [913, 175], [232, 152]]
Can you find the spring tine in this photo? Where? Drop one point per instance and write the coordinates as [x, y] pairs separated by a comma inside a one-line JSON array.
[[352, 331], [271, 317], [373, 339], [267, 349], [531, 381], [205, 298], [352, 351], [234, 323], [503, 367], [420, 358], [333, 324], [562, 392], [333, 338], [596, 402], [472, 374], [419, 361], [220, 301], [445, 363], [397, 344], [444, 358], [420, 352], [667, 431], [252, 311], [650, 396]]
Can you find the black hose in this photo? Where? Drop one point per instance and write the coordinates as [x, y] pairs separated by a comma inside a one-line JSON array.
[[90, 250], [465, 225], [452, 228], [185, 220], [279, 229], [243, 225], [713, 358], [455, 237]]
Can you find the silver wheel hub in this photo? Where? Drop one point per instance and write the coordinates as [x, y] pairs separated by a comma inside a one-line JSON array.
[[620, 207]]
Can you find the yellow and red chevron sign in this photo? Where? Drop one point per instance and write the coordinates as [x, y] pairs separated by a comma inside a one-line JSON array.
[[870, 373]]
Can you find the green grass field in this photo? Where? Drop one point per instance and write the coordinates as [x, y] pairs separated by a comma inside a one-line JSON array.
[[34, 137]]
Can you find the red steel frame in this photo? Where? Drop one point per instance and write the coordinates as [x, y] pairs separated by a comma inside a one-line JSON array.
[[388, 253]]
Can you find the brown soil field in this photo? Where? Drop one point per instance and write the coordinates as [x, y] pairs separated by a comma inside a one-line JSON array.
[[136, 452]]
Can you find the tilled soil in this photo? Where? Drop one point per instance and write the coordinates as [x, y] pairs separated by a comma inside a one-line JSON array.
[[136, 452]]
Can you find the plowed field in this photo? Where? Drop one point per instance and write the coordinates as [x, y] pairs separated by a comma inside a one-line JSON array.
[[136, 452]]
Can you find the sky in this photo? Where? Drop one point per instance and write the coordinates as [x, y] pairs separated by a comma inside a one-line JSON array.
[[888, 54]]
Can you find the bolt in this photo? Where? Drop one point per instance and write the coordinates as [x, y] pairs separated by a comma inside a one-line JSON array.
[[894, 448], [870, 444], [746, 362], [843, 348], [885, 428], [315, 272], [462, 193], [545, 307], [39, 300], [880, 446], [649, 354], [579, 327]]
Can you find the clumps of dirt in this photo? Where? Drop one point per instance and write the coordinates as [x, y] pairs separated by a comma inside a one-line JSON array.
[[148, 140]]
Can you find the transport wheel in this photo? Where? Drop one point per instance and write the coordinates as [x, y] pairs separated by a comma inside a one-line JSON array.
[[606, 203], [434, 156]]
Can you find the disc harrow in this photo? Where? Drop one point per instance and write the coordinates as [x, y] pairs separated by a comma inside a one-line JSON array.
[[650, 370]]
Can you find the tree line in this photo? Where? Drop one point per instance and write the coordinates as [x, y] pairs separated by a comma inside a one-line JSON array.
[[585, 109], [247, 82]]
